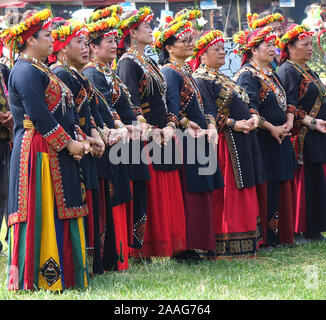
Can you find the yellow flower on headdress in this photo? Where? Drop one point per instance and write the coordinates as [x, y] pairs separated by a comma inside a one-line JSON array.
[[297, 31], [206, 39], [166, 32], [255, 23], [111, 11], [62, 32], [141, 15]]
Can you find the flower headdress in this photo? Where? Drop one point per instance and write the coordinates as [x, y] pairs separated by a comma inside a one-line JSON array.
[[255, 23], [208, 39], [178, 30], [63, 34], [103, 27], [21, 32], [295, 31], [144, 14], [187, 14], [246, 40], [111, 11]]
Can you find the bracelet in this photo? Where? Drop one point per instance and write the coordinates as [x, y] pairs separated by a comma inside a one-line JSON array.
[[142, 120], [172, 125], [261, 120], [186, 124], [232, 125], [313, 124], [119, 126]]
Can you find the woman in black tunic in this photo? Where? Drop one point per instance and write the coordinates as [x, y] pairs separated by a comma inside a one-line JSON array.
[[165, 226], [306, 94], [185, 103], [268, 100], [236, 230], [69, 51], [46, 193], [98, 73]]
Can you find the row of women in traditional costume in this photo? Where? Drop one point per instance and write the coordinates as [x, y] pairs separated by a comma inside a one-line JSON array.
[[75, 212]]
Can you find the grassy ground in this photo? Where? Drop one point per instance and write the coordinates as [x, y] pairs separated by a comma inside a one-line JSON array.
[[296, 273]]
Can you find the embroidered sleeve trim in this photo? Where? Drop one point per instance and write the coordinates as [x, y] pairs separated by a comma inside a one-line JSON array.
[[58, 138], [81, 132], [115, 116], [221, 121], [291, 109]]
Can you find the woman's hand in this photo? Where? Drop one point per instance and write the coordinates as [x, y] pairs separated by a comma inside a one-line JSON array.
[[253, 121], [76, 149], [167, 134], [321, 125], [279, 133], [212, 134], [243, 126], [113, 137], [288, 126]]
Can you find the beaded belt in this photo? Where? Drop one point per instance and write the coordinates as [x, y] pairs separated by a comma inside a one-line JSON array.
[[28, 124]]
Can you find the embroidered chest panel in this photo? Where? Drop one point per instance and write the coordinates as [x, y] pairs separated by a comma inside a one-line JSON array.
[[53, 94], [188, 91], [268, 86]]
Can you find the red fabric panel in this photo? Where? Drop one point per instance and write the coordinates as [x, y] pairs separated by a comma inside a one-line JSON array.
[[299, 197], [121, 236], [165, 224], [235, 210], [286, 226]]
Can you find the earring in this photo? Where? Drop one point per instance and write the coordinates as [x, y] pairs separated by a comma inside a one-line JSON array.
[[135, 44], [65, 60]]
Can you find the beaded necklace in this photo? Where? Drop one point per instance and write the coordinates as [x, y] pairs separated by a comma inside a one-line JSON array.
[[186, 72], [97, 91], [225, 81], [70, 70], [152, 73], [269, 78], [66, 94], [313, 78], [117, 84]]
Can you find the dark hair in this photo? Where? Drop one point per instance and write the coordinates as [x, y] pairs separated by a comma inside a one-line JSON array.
[[285, 54], [127, 39], [22, 46], [164, 56], [97, 41]]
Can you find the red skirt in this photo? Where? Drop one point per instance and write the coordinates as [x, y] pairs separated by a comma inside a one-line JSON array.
[[236, 211], [199, 212], [120, 227], [165, 233], [121, 235], [299, 201]]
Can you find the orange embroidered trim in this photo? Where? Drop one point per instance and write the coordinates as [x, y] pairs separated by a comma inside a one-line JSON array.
[[21, 214]]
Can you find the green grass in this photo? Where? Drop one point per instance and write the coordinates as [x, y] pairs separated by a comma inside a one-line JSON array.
[[279, 275]]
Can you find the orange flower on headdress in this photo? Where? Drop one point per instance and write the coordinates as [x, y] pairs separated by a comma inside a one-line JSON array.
[[295, 31], [255, 23]]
